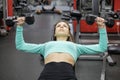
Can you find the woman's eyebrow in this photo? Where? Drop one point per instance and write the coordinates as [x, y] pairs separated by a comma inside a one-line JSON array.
[[66, 25], [57, 25]]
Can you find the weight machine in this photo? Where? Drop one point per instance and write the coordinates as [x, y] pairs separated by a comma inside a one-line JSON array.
[[91, 7]]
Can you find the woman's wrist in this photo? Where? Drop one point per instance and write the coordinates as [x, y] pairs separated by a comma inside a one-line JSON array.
[[102, 30], [19, 26], [102, 26]]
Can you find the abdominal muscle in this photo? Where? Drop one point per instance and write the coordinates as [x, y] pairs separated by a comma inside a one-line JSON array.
[[60, 57]]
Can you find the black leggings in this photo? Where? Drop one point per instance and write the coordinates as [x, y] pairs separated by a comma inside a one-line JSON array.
[[58, 71]]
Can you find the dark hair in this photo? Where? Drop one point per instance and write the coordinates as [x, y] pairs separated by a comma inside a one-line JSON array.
[[70, 38]]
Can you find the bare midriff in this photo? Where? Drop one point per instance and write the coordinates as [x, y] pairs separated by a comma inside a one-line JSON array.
[[60, 57]]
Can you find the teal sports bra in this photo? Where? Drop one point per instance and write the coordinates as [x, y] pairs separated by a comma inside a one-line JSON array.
[[75, 50]]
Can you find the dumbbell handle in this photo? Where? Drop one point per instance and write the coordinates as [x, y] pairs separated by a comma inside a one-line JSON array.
[[95, 16], [67, 15]]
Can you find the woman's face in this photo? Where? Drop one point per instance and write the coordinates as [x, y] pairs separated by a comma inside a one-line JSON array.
[[62, 29]]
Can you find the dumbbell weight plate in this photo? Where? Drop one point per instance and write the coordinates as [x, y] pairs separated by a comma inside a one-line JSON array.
[[9, 22], [90, 19], [110, 22], [30, 20], [1, 14]]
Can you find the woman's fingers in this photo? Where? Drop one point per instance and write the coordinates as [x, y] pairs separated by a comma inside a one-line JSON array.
[[20, 20], [100, 21]]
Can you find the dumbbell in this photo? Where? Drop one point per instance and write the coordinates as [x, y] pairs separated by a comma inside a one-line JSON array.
[[1, 14], [90, 19], [10, 21], [113, 49], [115, 15], [76, 14]]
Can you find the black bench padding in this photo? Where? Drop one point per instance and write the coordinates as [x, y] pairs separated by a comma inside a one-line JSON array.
[[114, 49]]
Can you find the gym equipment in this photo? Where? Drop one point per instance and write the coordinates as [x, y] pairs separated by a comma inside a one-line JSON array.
[[90, 19], [3, 32], [77, 15], [48, 9], [88, 6], [114, 15], [74, 14], [1, 14], [95, 7], [45, 2], [102, 57], [114, 49], [110, 22], [29, 19], [21, 7]]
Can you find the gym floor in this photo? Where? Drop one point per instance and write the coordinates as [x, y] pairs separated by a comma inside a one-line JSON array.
[[17, 65]]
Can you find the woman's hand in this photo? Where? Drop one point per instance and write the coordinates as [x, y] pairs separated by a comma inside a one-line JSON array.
[[20, 21], [100, 22]]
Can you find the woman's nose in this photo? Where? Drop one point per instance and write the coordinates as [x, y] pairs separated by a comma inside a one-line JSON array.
[[61, 26]]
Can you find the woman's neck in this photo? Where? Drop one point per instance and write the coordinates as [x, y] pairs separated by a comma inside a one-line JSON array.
[[62, 38]]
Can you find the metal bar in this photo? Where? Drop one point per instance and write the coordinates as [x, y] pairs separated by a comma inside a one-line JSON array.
[[103, 75], [91, 57], [4, 12], [77, 32], [95, 7]]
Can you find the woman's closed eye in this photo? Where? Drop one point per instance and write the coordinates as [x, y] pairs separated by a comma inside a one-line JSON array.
[[62, 26], [57, 26], [65, 26]]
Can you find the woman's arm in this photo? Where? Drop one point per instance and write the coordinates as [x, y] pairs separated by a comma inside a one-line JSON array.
[[20, 43], [96, 48]]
